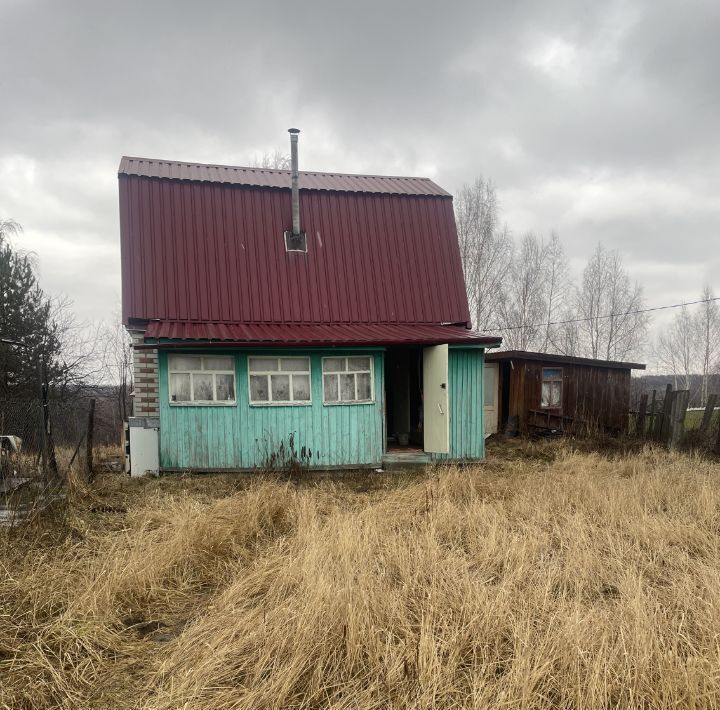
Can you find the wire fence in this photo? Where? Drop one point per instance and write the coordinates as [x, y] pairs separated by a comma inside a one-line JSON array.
[[43, 440]]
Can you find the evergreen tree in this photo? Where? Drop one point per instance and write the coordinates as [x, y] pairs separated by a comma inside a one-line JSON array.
[[26, 318]]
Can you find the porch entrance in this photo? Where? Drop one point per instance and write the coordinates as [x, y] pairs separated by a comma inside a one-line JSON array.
[[404, 430], [416, 403]]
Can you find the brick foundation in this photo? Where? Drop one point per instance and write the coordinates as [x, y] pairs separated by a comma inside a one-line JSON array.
[[146, 390]]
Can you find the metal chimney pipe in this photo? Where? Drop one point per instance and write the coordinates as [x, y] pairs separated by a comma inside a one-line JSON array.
[[295, 180]]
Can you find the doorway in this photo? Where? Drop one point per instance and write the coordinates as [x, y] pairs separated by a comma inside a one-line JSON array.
[[404, 400]]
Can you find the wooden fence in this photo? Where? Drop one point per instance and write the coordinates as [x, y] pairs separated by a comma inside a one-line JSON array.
[[663, 419]]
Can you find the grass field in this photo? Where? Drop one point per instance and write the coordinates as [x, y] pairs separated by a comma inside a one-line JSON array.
[[694, 417], [545, 578]]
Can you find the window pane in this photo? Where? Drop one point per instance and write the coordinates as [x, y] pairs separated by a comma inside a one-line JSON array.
[[364, 386], [555, 394], [545, 395], [334, 364], [263, 364], [224, 388], [280, 388], [347, 388], [358, 363], [330, 388], [295, 364], [179, 388], [552, 373], [218, 363], [259, 388], [489, 386], [202, 388], [301, 388], [185, 362]]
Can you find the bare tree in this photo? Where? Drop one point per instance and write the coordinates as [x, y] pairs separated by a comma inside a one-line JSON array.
[[485, 248], [524, 307], [707, 338], [677, 348], [117, 367], [557, 289], [608, 301], [566, 336], [277, 160], [9, 228]]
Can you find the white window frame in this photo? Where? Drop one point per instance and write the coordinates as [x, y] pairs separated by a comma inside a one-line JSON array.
[[349, 372], [281, 403], [192, 402], [560, 379]]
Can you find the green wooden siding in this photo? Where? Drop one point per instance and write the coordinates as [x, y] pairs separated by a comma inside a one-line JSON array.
[[467, 421], [242, 436]]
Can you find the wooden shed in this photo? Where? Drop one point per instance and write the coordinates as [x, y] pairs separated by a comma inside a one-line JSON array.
[[536, 391]]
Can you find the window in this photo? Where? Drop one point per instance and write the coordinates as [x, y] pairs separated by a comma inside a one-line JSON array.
[[202, 379], [347, 379], [279, 380], [551, 393]]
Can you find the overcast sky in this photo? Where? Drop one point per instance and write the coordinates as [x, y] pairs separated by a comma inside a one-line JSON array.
[[600, 120]]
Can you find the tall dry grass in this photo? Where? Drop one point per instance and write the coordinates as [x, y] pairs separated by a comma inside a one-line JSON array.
[[580, 581]]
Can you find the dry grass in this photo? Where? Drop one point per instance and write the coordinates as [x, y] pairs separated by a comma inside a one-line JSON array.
[[545, 578]]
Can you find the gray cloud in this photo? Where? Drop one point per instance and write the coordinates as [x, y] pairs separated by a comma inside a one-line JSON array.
[[596, 119]]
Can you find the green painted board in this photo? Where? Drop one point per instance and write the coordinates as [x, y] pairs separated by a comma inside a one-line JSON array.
[[244, 436]]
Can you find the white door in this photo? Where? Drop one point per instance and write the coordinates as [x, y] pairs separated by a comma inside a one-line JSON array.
[[436, 412], [490, 397]]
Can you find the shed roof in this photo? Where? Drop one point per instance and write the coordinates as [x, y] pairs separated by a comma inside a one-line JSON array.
[[561, 359], [205, 244]]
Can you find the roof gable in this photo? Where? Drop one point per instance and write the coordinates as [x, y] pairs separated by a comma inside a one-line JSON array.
[[197, 249]]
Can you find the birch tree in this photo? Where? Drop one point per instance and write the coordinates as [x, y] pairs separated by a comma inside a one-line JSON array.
[[677, 348], [707, 338], [485, 249], [525, 305], [607, 301], [557, 288]]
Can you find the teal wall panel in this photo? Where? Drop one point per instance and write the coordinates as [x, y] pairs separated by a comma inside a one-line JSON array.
[[467, 421], [242, 436]]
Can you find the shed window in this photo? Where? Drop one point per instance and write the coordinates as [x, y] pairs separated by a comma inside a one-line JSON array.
[[279, 380], [347, 380], [201, 379], [551, 393]]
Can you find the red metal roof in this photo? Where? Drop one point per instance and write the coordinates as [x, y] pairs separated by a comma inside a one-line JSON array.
[[215, 252], [260, 334], [266, 177]]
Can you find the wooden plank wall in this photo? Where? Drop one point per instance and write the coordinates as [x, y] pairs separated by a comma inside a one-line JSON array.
[[467, 423], [597, 395], [243, 436]]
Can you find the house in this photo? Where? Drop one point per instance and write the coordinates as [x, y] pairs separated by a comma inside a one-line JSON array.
[[284, 316], [528, 391]]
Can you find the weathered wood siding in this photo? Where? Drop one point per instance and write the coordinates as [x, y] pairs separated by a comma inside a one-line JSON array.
[[595, 394], [241, 436], [467, 425]]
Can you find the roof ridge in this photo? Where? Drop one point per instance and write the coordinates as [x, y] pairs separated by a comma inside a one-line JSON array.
[[274, 171]]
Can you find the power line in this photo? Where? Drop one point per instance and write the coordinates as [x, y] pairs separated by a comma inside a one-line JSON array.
[[608, 315]]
